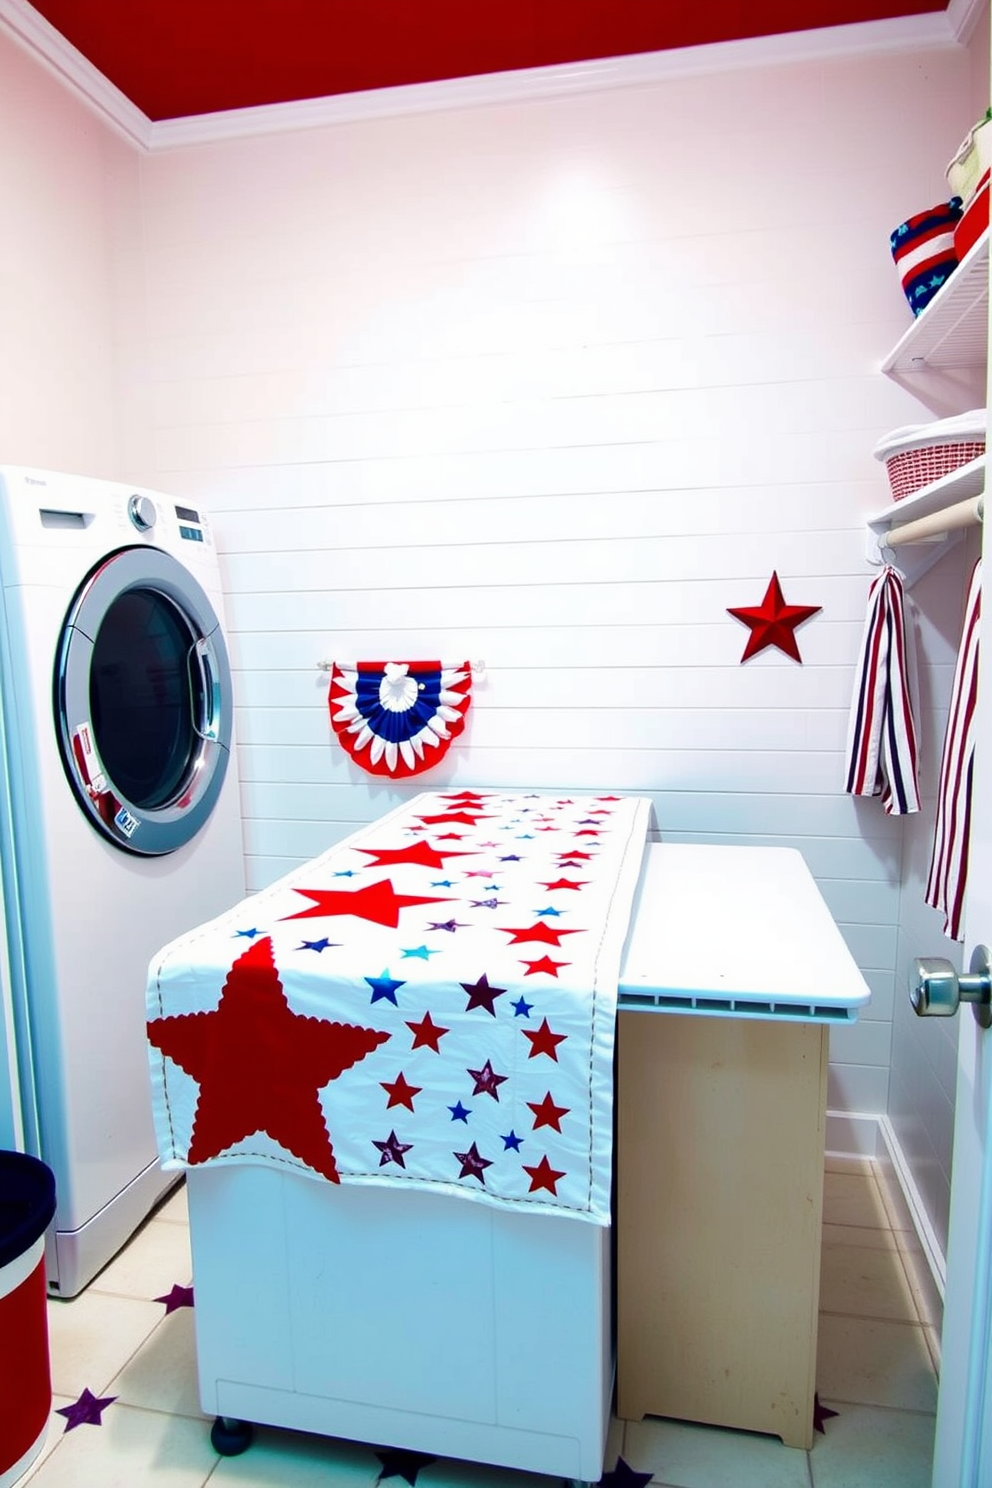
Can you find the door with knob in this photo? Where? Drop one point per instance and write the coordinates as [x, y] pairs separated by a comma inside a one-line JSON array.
[[963, 1444]]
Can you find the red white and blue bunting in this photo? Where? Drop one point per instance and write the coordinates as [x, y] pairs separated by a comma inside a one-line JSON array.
[[399, 718]]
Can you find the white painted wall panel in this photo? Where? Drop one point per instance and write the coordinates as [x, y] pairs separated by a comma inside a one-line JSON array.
[[541, 387]]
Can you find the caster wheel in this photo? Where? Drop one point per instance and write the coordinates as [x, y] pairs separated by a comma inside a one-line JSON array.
[[230, 1437]]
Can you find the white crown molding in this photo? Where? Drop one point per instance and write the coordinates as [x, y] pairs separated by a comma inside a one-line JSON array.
[[963, 16], [914, 33], [35, 35]]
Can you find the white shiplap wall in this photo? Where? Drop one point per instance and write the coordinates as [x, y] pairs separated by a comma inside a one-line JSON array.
[[551, 386]]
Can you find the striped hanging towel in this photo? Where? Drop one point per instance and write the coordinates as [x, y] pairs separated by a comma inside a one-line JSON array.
[[881, 736], [949, 860]]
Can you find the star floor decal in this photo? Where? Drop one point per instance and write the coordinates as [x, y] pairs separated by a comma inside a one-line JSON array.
[[179, 1296], [397, 1463], [821, 1413], [86, 1411], [624, 1476]]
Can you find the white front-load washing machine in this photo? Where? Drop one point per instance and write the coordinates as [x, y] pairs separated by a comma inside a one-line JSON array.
[[120, 823]]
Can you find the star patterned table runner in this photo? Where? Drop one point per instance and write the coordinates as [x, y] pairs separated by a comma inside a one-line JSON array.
[[430, 1002]]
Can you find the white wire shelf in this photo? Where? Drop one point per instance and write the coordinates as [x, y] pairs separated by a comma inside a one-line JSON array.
[[953, 329]]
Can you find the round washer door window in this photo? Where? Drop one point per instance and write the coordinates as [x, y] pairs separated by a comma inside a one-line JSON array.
[[143, 701]]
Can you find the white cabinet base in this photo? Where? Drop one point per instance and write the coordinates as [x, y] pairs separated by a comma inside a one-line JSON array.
[[403, 1320]]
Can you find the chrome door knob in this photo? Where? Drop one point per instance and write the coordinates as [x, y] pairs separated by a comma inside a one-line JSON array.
[[936, 990]]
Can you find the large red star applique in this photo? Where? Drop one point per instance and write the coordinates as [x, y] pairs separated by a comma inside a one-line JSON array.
[[260, 1066], [773, 622], [421, 854], [377, 902]]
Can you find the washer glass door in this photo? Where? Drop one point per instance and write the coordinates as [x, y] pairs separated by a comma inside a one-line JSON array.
[[143, 701]]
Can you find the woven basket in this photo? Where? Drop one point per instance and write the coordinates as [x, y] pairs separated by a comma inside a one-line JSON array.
[[919, 454], [913, 469]]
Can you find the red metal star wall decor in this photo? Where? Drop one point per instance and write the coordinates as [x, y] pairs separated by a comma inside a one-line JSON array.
[[773, 622]]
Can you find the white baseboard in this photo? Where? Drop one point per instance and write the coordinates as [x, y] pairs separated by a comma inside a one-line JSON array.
[[873, 1137], [852, 1135]]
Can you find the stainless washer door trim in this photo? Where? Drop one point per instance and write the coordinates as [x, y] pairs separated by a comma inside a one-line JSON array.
[[145, 831]]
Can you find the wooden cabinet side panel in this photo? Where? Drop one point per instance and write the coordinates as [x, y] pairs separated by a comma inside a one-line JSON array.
[[720, 1136]]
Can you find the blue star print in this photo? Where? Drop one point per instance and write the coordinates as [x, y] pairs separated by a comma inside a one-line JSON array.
[[317, 945], [460, 1112], [384, 988], [511, 1140], [521, 1008], [420, 953]]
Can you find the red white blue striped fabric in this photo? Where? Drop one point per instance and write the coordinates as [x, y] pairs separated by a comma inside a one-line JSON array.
[[949, 860], [882, 757]]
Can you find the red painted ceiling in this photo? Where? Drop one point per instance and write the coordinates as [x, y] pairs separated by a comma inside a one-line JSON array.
[[174, 58]]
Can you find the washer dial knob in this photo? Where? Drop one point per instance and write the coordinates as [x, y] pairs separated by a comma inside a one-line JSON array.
[[141, 510]]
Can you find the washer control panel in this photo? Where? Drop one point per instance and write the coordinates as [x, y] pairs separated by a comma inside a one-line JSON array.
[[190, 524]]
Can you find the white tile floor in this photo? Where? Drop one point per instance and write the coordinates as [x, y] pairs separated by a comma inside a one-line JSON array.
[[879, 1325]]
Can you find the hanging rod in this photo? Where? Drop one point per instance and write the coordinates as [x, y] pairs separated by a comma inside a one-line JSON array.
[[964, 514], [477, 668]]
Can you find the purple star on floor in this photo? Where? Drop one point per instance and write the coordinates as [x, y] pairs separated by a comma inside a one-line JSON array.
[[401, 1464], [451, 925], [624, 1476], [180, 1296], [86, 1411], [821, 1413]]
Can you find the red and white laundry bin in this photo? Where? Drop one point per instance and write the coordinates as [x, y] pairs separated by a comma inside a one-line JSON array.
[[27, 1205]]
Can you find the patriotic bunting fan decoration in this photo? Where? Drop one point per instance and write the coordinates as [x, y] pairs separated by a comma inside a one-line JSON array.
[[399, 718]]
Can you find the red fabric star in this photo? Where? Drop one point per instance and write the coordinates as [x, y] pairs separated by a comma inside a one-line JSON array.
[[427, 1034], [543, 1176], [564, 883], [546, 1113], [419, 853], [399, 1092], [260, 1066], [543, 1041], [377, 902], [773, 622], [463, 818], [542, 931], [534, 968]]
